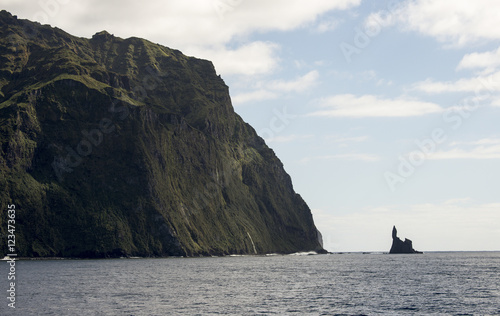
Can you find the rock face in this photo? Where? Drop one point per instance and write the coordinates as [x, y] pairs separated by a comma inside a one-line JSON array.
[[115, 147], [399, 246]]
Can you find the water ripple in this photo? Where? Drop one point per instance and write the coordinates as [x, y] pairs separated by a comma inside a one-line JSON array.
[[349, 284]]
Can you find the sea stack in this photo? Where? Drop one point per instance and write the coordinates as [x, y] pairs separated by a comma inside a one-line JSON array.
[[399, 246]]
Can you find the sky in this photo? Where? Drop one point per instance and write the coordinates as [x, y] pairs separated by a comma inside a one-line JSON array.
[[383, 112]]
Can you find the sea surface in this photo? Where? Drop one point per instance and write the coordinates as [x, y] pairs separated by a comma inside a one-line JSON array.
[[466, 283]]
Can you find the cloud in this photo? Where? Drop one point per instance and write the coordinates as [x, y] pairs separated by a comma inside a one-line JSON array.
[[192, 22], [456, 22], [468, 226], [487, 78], [266, 90], [495, 101], [487, 148], [361, 77], [300, 84], [348, 105], [254, 96], [486, 60], [283, 15], [255, 58], [477, 84], [326, 26]]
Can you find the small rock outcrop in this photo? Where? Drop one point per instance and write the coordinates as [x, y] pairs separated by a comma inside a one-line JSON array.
[[399, 246]]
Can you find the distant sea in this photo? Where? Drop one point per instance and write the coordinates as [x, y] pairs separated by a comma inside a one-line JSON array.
[[458, 283]]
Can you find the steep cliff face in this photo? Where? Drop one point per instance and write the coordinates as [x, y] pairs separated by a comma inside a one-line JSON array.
[[113, 147]]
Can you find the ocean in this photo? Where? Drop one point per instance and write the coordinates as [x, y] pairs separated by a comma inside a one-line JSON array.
[[457, 283]]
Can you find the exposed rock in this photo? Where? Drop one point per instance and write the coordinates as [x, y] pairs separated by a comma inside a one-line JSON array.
[[399, 246]]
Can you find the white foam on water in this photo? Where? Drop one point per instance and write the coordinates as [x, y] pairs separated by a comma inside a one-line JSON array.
[[308, 253]]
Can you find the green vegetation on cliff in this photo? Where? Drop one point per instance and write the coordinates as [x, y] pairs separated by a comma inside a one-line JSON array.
[[121, 147]]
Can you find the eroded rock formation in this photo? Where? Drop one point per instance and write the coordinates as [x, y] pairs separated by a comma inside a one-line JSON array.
[[399, 246]]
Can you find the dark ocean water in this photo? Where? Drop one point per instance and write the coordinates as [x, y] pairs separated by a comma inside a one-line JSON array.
[[340, 284]]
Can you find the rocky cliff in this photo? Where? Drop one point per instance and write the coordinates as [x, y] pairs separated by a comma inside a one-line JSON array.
[[121, 147], [399, 246]]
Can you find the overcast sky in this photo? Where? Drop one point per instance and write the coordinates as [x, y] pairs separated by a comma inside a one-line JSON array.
[[383, 112]]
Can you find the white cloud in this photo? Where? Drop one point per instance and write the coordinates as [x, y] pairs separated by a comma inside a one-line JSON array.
[[257, 95], [300, 84], [456, 22], [487, 148], [454, 225], [191, 22], [495, 101], [266, 90], [281, 15], [348, 105], [251, 59], [361, 77], [486, 60], [477, 84], [327, 26]]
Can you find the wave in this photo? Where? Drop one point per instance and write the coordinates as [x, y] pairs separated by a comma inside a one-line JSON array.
[[308, 253]]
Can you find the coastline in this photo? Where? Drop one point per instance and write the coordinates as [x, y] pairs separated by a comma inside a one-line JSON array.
[[297, 254]]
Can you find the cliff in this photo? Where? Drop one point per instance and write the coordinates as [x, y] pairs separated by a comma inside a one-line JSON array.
[[121, 147]]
